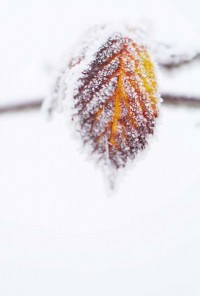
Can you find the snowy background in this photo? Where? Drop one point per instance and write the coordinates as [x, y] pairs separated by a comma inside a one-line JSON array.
[[60, 233]]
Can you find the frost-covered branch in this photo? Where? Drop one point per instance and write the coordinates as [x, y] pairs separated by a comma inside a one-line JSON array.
[[172, 57], [179, 61], [181, 100], [37, 103]]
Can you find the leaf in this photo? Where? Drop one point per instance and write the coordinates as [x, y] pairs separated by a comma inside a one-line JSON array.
[[115, 97]]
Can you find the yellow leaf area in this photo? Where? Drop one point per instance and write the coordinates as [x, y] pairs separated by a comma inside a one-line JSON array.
[[145, 74], [148, 78]]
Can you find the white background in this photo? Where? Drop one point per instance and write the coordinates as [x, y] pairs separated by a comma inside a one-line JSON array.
[[60, 232]]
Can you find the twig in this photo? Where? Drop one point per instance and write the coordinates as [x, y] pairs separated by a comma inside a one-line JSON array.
[[37, 103], [21, 106], [171, 57], [182, 61], [179, 100]]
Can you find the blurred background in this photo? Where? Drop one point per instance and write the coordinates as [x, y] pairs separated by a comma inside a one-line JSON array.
[[60, 232]]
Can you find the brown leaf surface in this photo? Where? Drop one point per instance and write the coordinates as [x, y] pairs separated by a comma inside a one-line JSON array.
[[116, 100]]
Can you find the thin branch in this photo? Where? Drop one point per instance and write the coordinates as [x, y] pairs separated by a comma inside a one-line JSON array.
[[37, 103], [21, 106], [179, 62], [178, 100], [171, 57]]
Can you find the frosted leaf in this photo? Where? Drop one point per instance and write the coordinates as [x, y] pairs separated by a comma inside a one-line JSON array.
[[110, 85]]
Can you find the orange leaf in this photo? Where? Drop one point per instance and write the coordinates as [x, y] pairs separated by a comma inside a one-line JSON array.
[[116, 100]]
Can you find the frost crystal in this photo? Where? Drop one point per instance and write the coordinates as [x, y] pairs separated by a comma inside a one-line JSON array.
[[110, 84]]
